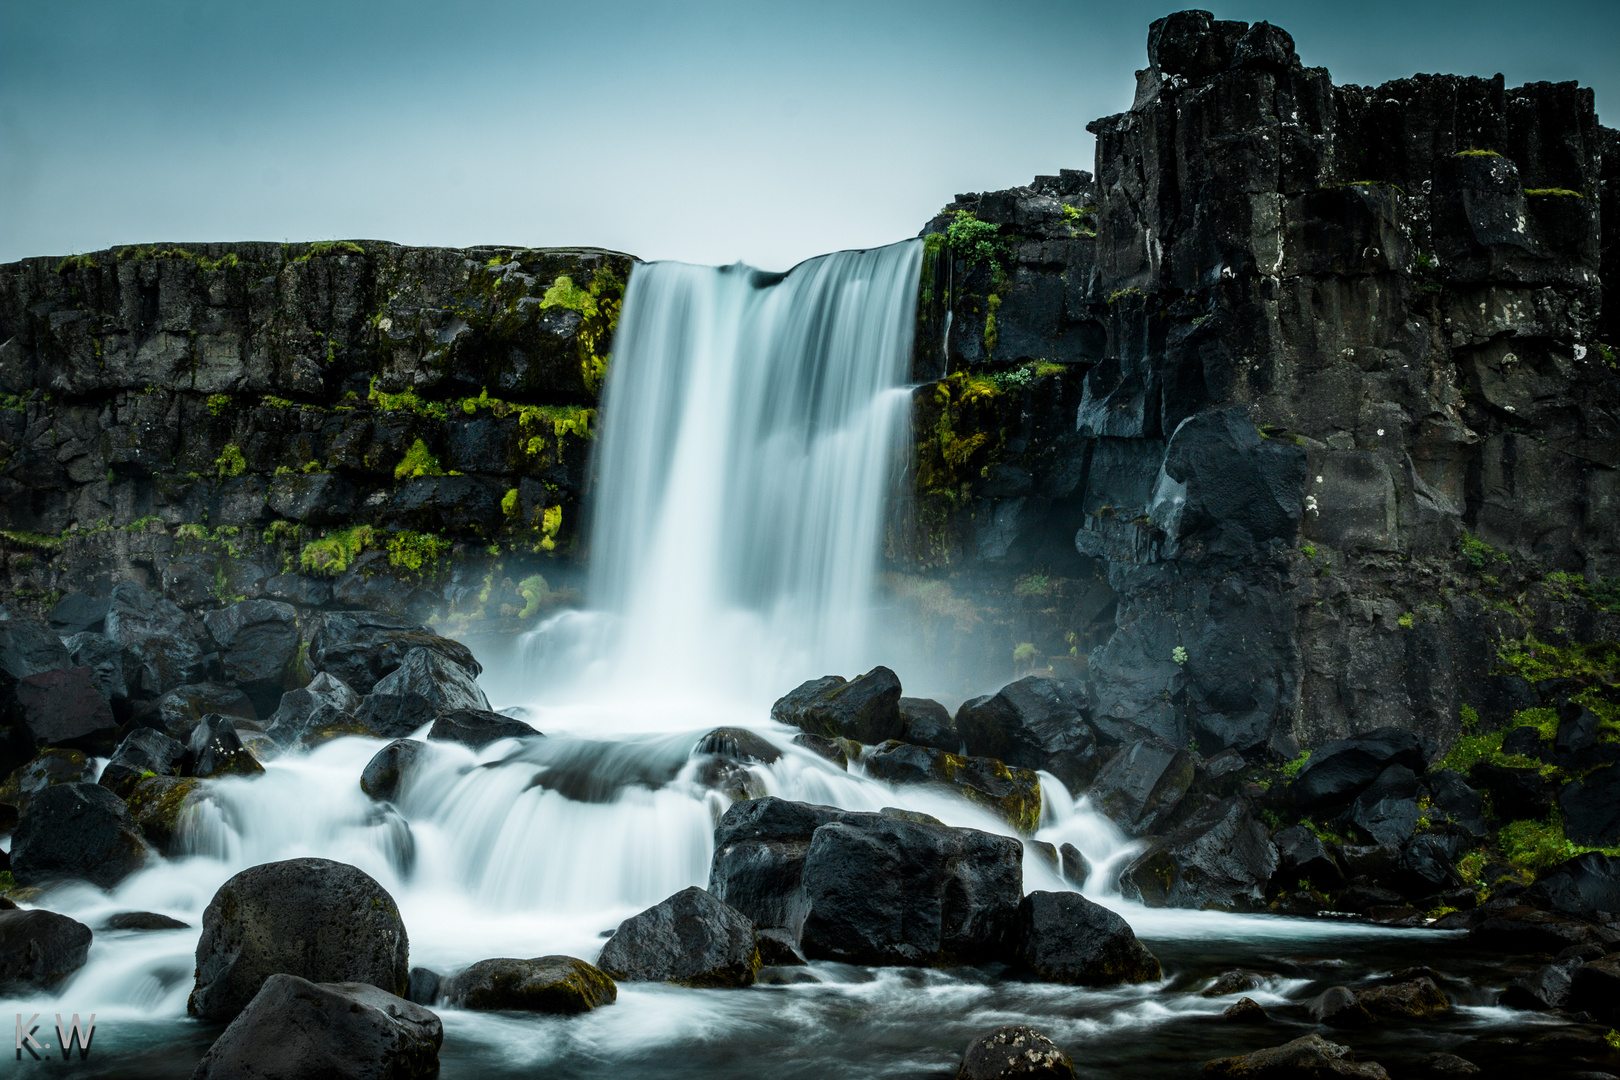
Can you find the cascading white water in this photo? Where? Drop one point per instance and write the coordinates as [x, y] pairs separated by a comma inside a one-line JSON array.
[[751, 431]]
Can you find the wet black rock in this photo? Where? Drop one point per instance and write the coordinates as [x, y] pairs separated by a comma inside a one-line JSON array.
[[559, 985], [777, 948], [425, 686], [477, 728], [321, 920], [1073, 865], [179, 711], [156, 804], [690, 938], [27, 648], [77, 831], [257, 641], [1425, 868], [885, 889], [39, 949], [1337, 1007], [1516, 793], [78, 613], [1063, 937], [166, 643], [113, 669], [1582, 886], [144, 752], [322, 498], [1446, 1065], [1221, 858], [1142, 785], [298, 589], [294, 1029], [1456, 802], [423, 987], [1309, 1056], [323, 701], [1578, 729], [62, 708], [1339, 771], [866, 709], [386, 772], [1015, 1052], [1545, 988], [738, 744], [143, 920], [1387, 809], [1591, 808], [1246, 1011], [1301, 856], [1520, 930], [1033, 723], [827, 748], [1410, 999], [215, 749], [48, 768], [1014, 795], [758, 864], [928, 723], [362, 647], [1232, 982], [1595, 989]]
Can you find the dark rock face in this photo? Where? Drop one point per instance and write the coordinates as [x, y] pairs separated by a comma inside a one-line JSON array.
[[1595, 989], [257, 641], [477, 729], [690, 938], [866, 709], [65, 708], [166, 643], [560, 985], [928, 723], [179, 711], [1516, 793], [385, 773], [1543, 989], [1341, 770], [215, 749], [49, 767], [759, 853], [113, 669], [1063, 937], [318, 919], [1302, 857], [426, 685], [361, 647], [1014, 795], [1035, 724], [424, 986], [39, 949], [1387, 811], [1142, 785], [77, 613], [1582, 887], [144, 750], [1220, 858], [1591, 808], [1015, 1051], [78, 831], [294, 1028], [296, 716], [884, 890]]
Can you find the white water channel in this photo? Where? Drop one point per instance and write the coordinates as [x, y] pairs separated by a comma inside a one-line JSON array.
[[752, 432]]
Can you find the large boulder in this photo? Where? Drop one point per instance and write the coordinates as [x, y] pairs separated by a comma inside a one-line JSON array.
[[294, 1029], [1142, 785], [1014, 795], [257, 641], [166, 643], [326, 700], [27, 649], [215, 749], [49, 768], [362, 647], [559, 985], [897, 888], [1221, 858], [114, 670], [1591, 808], [1301, 856], [1063, 937], [1033, 723], [690, 938], [476, 728], [758, 864], [144, 752], [1457, 803], [1015, 1052], [76, 831], [1387, 810], [179, 711], [1538, 991], [385, 773], [1517, 793], [1410, 999], [1338, 771], [1595, 989], [1582, 886], [156, 804], [78, 613], [928, 723], [39, 949], [866, 709], [425, 686], [1309, 1057], [320, 920], [64, 708]]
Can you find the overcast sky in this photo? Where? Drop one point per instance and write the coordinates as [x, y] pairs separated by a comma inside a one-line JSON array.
[[710, 132]]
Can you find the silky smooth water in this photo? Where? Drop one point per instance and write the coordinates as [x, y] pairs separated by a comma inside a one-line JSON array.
[[752, 431]]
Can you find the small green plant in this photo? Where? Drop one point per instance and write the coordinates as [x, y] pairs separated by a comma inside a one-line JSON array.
[[1032, 585], [413, 550], [1478, 553], [1120, 294], [230, 462], [1613, 1039], [1179, 655], [1535, 845], [535, 591], [1472, 152], [1406, 621], [1308, 550], [975, 240], [1469, 717], [1291, 770], [418, 461], [332, 554], [218, 403], [1553, 192], [1025, 653], [509, 502], [1471, 866]]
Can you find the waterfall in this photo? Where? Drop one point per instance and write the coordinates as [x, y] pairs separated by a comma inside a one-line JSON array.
[[752, 428]]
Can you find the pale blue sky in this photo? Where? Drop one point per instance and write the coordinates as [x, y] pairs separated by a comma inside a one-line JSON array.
[[701, 131]]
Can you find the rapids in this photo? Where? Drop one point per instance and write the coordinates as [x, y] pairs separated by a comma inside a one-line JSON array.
[[752, 432]]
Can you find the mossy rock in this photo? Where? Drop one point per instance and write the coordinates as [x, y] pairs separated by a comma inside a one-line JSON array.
[[50, 766], [559, 985], [156, 804], [1012, 794]]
